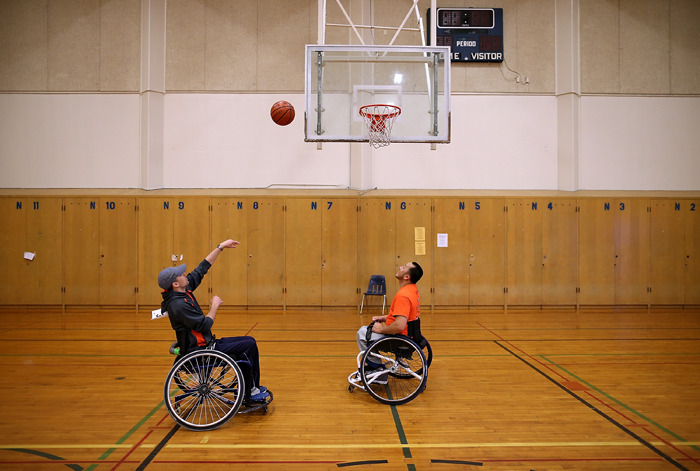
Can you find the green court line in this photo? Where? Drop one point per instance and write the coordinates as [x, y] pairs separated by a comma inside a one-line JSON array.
[[105, 454], [620, 403], [400, 431], [127, 435]]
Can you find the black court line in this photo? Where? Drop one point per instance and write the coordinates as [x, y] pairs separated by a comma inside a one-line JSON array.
[[158, 447], [361, 463], [73, 466], [596, 410]]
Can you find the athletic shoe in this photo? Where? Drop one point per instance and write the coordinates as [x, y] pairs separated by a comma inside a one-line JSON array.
[[377, 375], [259, 397]]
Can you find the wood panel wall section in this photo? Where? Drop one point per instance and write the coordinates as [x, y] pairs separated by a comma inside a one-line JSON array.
[[310, 249]]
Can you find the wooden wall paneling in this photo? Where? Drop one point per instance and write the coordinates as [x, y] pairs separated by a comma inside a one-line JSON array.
[[45, 238], [155, 246], [559, 252], [118, 251], [339, 264], [450, 267], [667, 267], [303, 251], [377, 244], [13, 244], [596, 251], [524, 251], [487, 251], [266, 252], [414, 240], [81, 250], [631, 251], [691, 210], [192, 237], [229, 277]]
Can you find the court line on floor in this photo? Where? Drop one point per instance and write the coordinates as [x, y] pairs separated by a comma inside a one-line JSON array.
[[621, 404], [629, 432], [631, 443]]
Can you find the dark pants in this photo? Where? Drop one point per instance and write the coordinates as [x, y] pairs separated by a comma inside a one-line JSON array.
[[243, 348]]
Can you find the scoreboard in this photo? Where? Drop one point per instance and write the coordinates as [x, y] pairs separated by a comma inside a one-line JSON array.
[[473, 34]]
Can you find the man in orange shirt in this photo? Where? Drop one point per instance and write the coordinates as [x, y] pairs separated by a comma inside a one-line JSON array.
[[405, 307]]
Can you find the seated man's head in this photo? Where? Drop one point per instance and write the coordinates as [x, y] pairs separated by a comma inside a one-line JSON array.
[[411, 272], [172, 277]]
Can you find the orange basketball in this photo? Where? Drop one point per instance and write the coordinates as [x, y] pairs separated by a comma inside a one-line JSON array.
[[282, 113]]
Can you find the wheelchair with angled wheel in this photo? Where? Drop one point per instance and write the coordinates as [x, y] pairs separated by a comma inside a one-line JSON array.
[[206, 388], [394, 368]]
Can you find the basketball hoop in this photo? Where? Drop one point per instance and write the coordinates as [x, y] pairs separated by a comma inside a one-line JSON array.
[[379, 120]]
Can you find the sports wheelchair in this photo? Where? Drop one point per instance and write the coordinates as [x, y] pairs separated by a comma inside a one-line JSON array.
[[206, 388], [404, 361]]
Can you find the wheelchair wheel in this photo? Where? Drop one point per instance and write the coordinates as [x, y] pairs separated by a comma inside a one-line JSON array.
[[204, 389], [403, 373]]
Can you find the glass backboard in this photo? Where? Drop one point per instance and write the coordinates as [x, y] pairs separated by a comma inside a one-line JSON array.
[[340, 79]]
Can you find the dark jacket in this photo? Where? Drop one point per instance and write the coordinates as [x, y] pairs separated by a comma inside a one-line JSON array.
[[192, 327]]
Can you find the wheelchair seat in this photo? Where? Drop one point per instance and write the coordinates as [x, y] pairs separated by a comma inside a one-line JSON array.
[[206, 388], [403, 367]]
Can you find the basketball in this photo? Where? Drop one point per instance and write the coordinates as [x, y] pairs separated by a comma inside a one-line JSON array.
[[282, 113]]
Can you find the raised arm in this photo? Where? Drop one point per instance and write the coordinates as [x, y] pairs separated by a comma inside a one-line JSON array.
[[227, 244]]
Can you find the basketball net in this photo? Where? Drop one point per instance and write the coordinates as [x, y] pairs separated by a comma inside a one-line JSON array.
[[379, 120]]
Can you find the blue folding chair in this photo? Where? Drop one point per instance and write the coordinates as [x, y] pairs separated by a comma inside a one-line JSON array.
[[377, 287]]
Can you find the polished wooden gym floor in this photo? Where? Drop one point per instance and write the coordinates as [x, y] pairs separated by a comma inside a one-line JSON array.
[[605, 389]]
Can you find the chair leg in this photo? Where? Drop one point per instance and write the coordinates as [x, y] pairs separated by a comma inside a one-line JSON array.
[[363, 304], [383, 304]]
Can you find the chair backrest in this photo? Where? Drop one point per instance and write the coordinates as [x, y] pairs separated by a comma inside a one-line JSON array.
[[377, 285], [415, 333]]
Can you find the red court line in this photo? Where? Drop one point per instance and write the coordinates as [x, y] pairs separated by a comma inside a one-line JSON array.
[[695, 460], [605, 404], [536, 360], [632, 363], [160, 422], [573, 460], [242, 462], [64, 462], [251, 329], [133, 448]]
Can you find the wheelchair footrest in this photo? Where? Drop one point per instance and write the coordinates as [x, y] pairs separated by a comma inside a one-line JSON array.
[[253, 406]]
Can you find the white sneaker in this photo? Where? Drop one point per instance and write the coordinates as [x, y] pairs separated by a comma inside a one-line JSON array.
[[378, 376]]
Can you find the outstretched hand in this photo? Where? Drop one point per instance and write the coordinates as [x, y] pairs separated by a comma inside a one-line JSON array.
[[229, 244]]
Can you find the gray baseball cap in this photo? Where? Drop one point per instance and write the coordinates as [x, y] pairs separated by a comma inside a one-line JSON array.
[[167, 275]]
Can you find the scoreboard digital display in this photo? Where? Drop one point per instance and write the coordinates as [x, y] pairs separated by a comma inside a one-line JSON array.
[[473, 34]]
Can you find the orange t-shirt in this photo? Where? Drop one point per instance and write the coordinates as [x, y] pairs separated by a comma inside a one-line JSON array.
[[406, 303]]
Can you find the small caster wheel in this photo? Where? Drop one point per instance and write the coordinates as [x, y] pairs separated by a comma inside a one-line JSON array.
[[351, 388]]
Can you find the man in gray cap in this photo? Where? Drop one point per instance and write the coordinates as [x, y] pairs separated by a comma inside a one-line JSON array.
[[193, 328]]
